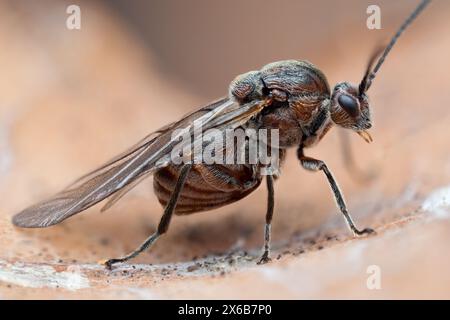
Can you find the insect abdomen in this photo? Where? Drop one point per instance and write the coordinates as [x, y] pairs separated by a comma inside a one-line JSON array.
[[207, 186]]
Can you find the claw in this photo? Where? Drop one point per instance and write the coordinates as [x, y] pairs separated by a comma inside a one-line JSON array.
[[364, 231], [109, 263], [264, 258]]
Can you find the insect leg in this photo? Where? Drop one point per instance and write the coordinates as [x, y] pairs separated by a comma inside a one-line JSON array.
[[316, 165], [270, 205], [163, 223]]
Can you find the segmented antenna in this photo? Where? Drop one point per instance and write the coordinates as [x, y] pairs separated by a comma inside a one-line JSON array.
[[370, 75]]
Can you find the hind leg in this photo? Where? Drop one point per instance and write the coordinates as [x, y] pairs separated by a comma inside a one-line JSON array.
[[163, 223]]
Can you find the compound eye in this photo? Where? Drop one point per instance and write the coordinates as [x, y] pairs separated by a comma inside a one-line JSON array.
[[349, 104]]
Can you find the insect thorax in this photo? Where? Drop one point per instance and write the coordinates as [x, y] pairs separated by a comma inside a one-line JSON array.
[[300, 100]]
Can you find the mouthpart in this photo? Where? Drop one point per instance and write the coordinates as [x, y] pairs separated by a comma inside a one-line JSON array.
[[365, 135]]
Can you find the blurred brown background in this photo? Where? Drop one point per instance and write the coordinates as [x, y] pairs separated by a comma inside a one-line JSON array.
[[70, 100], [203, 44]]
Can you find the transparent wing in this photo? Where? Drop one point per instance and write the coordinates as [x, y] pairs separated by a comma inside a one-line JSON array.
[[119, 175], [147, 140]]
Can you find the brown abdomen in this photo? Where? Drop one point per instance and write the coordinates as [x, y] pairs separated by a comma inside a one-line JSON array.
[[207, 186]]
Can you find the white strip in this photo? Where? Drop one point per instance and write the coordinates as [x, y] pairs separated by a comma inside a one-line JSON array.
[[438, 203], [40, 276]]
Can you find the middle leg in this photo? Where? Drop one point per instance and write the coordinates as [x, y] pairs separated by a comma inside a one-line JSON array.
[[270, 205]]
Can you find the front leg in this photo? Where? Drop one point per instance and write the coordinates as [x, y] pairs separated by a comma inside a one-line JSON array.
[[312, 164]]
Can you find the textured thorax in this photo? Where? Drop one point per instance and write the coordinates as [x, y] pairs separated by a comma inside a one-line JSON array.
[[300, 100]]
